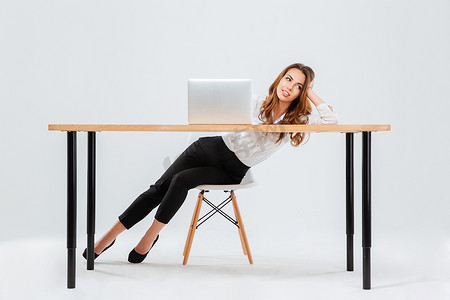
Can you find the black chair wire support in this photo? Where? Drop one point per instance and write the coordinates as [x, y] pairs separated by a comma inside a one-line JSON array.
[[217, 209]]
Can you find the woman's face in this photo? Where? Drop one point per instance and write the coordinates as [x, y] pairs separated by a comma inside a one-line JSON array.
[[290, 85]]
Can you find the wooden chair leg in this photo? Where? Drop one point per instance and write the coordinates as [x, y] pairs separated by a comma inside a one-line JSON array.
[[242, 241], [240, 233], [192, 223], [241, 227], [191, 233]]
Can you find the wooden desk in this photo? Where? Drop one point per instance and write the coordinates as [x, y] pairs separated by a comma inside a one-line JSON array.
[[92, 129]]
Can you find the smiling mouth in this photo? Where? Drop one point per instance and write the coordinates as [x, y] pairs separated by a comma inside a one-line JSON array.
[[286, 94]]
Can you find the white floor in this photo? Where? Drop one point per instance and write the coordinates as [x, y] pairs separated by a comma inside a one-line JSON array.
[[36, 269]]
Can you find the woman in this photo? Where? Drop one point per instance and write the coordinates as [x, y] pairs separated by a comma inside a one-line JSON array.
[[224, 159]]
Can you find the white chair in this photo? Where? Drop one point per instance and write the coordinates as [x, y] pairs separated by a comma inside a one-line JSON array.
[[247, 182], [218, 209]]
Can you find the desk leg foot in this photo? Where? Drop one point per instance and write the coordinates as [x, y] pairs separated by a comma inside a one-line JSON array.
[[366, 268], [349, 252], [71, 207], [71, 261], [90, 252], [366, 209]]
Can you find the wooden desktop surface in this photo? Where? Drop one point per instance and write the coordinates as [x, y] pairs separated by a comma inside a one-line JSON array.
[[221, 128]]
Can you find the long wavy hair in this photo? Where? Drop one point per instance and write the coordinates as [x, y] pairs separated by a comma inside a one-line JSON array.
[[299, 110]]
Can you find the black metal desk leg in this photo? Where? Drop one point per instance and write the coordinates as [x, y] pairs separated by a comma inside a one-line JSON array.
[[71, 207], [91, 200], [350, 216], [366, 209]]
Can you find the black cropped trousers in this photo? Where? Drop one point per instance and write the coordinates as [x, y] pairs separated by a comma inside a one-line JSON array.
[[206, 161]]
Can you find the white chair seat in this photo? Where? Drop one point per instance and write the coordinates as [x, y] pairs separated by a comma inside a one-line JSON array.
[[230, 187], [246, 182]]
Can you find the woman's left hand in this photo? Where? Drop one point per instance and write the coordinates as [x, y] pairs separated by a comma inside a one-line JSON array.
[[312, 95], [309, 89]]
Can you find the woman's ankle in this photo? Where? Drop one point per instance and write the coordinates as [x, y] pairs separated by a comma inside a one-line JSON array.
[[104, 242], [145, 244]]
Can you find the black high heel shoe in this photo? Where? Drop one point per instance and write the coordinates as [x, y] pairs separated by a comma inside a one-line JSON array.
[[136, 258], [95, 254]]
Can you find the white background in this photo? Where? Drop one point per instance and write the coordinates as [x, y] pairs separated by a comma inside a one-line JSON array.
[[115, 62]]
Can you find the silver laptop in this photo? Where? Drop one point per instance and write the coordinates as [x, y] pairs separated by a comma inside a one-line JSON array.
[[219, 101]]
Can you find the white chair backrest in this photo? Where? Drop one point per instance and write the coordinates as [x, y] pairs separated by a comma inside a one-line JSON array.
[[248, 178]]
